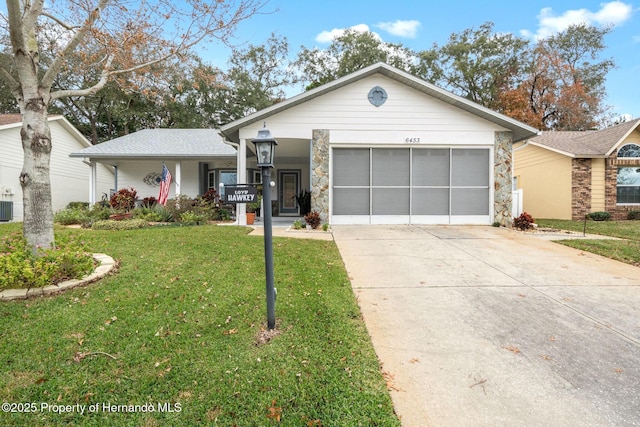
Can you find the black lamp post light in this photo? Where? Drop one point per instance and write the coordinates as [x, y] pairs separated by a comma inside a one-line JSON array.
[[265, 145]]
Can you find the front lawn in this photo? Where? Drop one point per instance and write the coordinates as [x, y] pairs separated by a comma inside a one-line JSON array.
[[627, 250], [176, 337]]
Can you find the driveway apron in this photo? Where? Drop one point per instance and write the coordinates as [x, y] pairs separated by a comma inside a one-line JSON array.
[[484, 326]]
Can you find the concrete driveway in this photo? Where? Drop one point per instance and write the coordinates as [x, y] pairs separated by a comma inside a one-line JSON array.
[[483, 326]]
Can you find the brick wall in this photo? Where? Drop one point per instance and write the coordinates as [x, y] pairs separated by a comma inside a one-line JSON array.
[[611, 177], [580, 188]]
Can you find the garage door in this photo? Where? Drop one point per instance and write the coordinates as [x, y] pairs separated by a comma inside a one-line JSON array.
[[410, 186]]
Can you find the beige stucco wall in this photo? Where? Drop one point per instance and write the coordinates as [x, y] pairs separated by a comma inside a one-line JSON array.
[[546, 189]]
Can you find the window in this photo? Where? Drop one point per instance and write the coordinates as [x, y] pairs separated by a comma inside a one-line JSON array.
[[629, 150], [628, 185], [227, 178]]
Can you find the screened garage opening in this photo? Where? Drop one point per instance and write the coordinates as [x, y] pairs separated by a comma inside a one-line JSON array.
[[411, 185]]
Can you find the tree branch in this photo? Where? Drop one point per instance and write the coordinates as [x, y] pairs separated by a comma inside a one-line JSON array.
[[57, 63], [8, 78], [104, 78]]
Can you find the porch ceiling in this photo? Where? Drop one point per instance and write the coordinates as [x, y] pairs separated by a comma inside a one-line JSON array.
[[288, 151]]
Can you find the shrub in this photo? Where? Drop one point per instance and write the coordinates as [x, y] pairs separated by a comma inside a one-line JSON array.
[[149, 202], [313, 219], [600, 216], [325, 226], [633, 215], [211, 197], [70, 216], [298, 224], [224, 214], [78, 205], [304, 201], [163, 213], [179, 205], [124, 199], [20, 268], [109, 224], [191, 218], [147, 214], [523, 222]]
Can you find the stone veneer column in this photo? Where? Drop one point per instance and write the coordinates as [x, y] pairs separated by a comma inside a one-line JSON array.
[[320, 173], [580, 188], [503, 178]]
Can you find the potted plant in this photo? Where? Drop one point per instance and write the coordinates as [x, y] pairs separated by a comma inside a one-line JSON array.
[[252, 208]]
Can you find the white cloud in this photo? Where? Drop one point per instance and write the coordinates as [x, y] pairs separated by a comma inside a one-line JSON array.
[[329, 36], [400, 28], [611, 13]]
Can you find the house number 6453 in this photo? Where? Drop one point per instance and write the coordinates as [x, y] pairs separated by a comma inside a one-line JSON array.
[[412, 140]]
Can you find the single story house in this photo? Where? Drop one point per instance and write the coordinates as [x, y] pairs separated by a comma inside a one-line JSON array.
[[381, 146], [68, 176], [198, 159], [565, 175]]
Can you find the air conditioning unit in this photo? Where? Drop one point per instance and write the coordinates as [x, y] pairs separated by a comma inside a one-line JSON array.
[[6, 211]]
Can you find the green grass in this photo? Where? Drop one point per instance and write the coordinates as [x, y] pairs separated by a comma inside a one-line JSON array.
[[627, 250], [182, 318]]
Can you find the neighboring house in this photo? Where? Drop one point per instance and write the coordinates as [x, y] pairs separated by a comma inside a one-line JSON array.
[[198, 160], [565, 175], [69, 177], [381, 146]]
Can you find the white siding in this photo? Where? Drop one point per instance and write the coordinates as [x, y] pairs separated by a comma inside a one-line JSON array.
[[69, 177], [406, 113], [131, 173]]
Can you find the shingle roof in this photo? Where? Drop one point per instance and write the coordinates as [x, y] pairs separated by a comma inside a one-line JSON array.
[[593, 143], [162, 143]]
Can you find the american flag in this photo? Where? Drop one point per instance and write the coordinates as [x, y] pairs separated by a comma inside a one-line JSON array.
[[165, 183]]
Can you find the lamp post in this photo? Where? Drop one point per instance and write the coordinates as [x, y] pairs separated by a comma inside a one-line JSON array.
[[265, 148]]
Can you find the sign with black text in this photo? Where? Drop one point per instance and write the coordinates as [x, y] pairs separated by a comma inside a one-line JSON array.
[[240, 194]]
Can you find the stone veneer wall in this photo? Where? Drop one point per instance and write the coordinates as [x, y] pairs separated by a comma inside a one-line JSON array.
[[611, 180], [580, 188], [503, 178], [320, 173]]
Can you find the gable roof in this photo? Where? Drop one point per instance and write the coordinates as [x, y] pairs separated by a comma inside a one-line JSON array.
[[586, 144], [9, 121], [520, 130], [161, 143]]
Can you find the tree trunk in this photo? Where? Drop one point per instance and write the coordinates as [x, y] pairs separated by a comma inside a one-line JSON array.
[[35, 181]]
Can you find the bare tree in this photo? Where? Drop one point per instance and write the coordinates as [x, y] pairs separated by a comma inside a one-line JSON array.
[[112, 38]]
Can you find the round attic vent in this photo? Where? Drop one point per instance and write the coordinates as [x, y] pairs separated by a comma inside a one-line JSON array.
[[377, 96]]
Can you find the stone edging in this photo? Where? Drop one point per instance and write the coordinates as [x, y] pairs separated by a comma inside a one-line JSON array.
[[106, 265]]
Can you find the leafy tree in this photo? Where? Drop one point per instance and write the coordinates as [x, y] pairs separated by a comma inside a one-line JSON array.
[[475, 63], [120, 37], [257, 76], [563, 88], [348, 53]]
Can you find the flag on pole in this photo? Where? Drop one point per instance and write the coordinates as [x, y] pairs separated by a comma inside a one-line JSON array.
[[165, 183]]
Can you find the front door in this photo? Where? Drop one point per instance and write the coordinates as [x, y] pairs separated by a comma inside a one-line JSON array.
[[288, 189]]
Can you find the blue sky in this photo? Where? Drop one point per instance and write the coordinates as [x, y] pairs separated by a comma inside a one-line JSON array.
[[418, 24]]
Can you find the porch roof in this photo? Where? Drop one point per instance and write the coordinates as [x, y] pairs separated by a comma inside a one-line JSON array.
[[161, 143]]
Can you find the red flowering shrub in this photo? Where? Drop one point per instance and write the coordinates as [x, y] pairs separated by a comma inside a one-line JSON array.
[[523, 222]]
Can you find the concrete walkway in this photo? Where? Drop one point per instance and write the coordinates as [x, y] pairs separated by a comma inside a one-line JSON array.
[[481, 326]]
